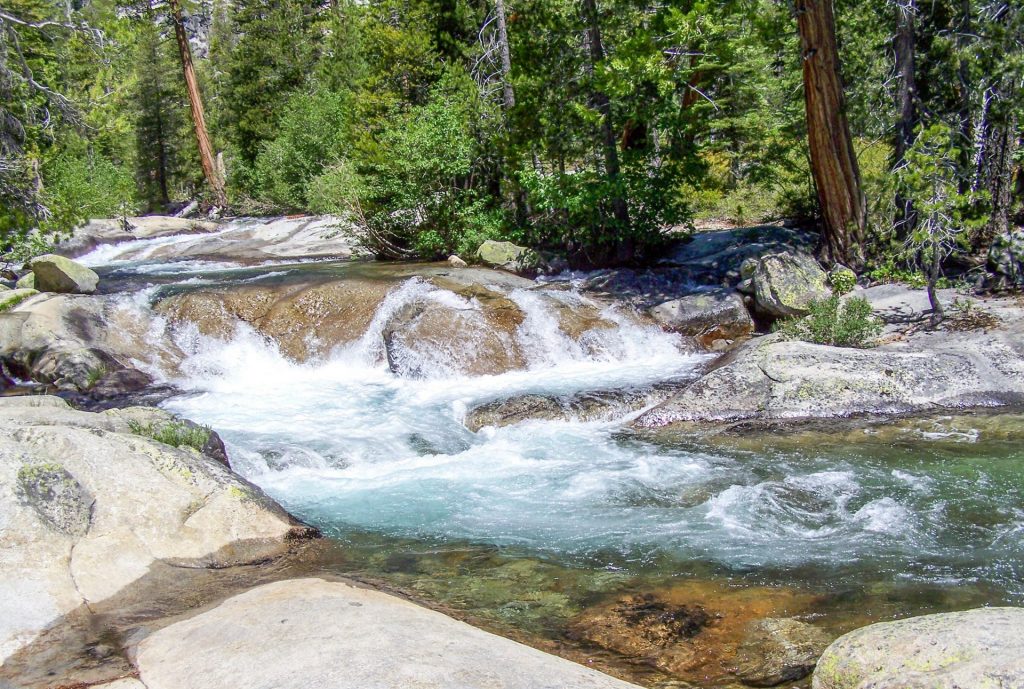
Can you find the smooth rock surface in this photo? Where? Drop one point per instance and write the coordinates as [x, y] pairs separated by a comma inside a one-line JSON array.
[[711, 255], [708, 316], [590, 406], [76, 342], [87, 507], [786, 283], [113, 231], [27, 281], [974, 649], [774, 379], [776, 650], [55, 273], [508, 256], [315, 634]]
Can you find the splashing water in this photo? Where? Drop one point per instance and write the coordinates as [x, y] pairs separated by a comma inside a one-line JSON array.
[[348, 445]]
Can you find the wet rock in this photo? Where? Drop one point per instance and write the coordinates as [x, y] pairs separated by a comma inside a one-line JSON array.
[[786, 283], [263, 637], [775, 651], [707, 316], [429, 337], [1006, 260], [76, 342], [590, 406], [62, 275], [975, 648], [10, 298], [306, 320], [456, 262], [89, 507], [508, 256], [774, 379], [96, 233]]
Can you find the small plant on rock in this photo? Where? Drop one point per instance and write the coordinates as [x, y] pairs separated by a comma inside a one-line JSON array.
[[835, 321], [174, 433]]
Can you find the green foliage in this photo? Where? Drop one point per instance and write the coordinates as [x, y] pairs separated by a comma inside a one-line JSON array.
[[312, 136], [175, 433], [835, 321], [82, 184]]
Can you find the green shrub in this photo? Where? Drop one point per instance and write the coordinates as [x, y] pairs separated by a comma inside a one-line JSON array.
[[312, 136], [835, 321], [174, 433]]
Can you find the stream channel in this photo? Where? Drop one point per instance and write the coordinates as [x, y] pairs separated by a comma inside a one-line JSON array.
[[529, 528]]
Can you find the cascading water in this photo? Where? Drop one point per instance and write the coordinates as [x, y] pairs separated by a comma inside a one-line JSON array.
[[350, 446]]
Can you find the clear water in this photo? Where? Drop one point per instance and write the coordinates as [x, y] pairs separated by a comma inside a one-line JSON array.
[[928, 518]]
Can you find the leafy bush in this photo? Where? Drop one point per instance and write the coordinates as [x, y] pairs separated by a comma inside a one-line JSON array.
[[835, 321], [174, 433], [416, 192], [82, 184], [312, 136]]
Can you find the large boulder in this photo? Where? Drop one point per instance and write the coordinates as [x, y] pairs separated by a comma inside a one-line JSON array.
[[777, 650], [81, 343], [716, 256], [708, 316], [775, 379], [316, 634], [973, 649], [305, 319], [1006, 259], [508, 256], [89, 507], [55, 273], [786, 283]]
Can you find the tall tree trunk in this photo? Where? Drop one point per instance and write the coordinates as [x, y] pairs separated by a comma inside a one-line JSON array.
[[508, 99], [906, 104], [833, 160], [195, 102], [626, 246]]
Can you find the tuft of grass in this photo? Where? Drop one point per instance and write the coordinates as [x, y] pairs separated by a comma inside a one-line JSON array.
[[95, 375], [174, 433], [835, 322]]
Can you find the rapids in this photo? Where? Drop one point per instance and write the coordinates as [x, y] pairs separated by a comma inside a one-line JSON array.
[[932, 517]]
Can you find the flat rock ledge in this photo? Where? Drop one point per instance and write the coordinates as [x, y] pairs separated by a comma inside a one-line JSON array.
[[89, 506], [975, 649], [317, 634], [773, 379]]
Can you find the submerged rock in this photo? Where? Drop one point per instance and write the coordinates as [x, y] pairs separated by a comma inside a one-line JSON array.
[[589, 406], [775, 650], [311, 633], [786, 283], [89, 507], [975, 649], [62, 275], [708, 316]]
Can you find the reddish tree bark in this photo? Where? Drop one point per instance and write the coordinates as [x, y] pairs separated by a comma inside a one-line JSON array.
[[833, 160], [195, 102]]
